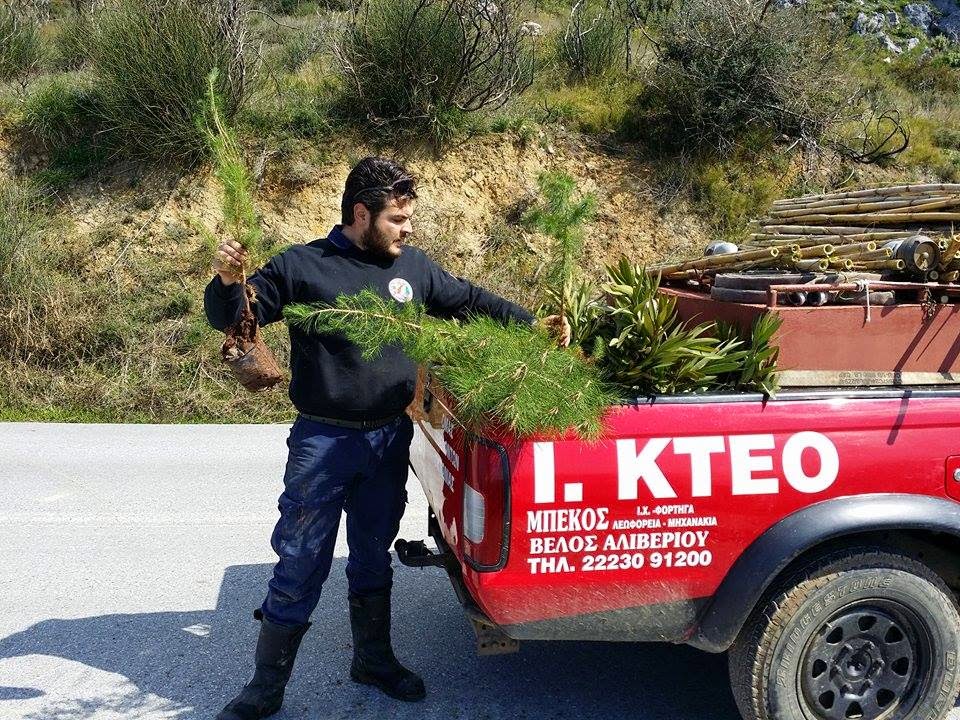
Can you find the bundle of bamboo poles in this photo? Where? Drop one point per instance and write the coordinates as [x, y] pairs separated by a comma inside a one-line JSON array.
[[879, 206], [822, 257], [881, 214], [843, 231]]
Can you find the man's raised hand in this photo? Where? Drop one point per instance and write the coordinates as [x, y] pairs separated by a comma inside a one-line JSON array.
[[229, 261]]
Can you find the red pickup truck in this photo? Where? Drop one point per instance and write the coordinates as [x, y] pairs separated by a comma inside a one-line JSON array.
[[815, 536]]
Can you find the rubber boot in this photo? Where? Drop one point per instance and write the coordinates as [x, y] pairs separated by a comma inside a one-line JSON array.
[[373, 660], [276, 650]]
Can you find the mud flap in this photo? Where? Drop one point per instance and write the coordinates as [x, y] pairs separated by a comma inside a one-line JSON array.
[[491, 640]]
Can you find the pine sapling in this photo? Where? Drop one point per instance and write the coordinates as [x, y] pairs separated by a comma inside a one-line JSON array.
[[243, 349], [507, 374], [561, 216]]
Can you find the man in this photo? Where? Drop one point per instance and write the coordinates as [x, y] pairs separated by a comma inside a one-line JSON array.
[[349, 446]]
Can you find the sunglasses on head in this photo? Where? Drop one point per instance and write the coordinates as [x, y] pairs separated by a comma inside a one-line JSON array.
[[401, 188]]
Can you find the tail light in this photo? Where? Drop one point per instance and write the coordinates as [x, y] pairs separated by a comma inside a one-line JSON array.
[[486, 507]]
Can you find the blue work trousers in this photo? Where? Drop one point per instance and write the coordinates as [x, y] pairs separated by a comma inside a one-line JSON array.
[[331, 470]]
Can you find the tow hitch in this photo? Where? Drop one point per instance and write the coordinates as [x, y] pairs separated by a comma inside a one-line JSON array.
[[491, 640], [415, 553]]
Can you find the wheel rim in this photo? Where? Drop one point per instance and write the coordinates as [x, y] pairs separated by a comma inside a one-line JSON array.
[[868, 661]]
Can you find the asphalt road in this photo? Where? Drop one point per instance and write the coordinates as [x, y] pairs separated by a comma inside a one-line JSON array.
[[132, 557]]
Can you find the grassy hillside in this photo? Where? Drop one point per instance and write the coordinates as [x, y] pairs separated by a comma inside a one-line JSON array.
[[108, 209]]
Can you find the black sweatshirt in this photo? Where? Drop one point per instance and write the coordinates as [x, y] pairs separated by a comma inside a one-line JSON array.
[[328, 376]]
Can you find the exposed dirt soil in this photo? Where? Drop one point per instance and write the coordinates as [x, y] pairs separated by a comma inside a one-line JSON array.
[[132, 214]]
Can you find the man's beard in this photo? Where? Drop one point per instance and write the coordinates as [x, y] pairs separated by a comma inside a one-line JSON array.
[[376, 243]]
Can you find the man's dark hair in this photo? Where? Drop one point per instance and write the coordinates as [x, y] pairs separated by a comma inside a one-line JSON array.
[[373, 182]]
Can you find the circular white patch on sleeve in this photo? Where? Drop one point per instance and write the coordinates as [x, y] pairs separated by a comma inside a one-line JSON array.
[[400, 290]]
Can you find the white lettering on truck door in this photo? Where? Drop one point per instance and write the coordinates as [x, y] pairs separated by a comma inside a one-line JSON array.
[[743, 465], [699, 449], [793, 468], [632, 467]]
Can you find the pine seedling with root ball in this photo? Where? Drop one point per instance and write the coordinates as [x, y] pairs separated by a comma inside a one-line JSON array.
[[508, 374], [239, 213], [243, 226]]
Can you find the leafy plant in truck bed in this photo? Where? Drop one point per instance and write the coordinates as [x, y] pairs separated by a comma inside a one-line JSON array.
[[501, 373], [635, 335]]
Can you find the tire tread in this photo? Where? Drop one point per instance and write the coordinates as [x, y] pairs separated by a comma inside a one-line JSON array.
[[751, 655]]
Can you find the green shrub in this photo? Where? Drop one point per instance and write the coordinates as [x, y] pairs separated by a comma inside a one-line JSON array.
[[21, 47], [427, 64], [173, 306], [297, 50], [33, 295], [70, 43], [931, 148], [294, 105], [731, 192], [925, 75], [62, 116], [151, 59], [282, 7], [947, 137], [22, 261], [300, 8], [595, 107], [60, 110], [726, 67], [594, 43]]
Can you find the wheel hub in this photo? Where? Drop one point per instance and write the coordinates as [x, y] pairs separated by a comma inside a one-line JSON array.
[[862, 663], [855, 667]]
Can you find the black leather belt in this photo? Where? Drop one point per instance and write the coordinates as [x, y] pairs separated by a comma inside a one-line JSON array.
[[352, 424]]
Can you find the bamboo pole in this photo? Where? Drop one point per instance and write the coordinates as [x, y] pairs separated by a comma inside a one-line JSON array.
[[682, 275], [885, 206], [812, 265], [840, 263], [828, 230], [880, 218], [715, 261], [933, 205], [881, 265], [855, 248], [815, 251], [769, 262], [783, 241], [884, 236], [815, 239], [950, 252], [888, 196], [890, 190], [917, 199], [878, 254]]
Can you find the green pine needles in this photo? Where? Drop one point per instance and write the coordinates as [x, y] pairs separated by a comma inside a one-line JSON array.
[[561, 216], [500, 373], [239, 212]]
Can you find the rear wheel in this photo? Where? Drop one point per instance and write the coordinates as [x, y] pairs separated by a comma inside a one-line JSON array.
[[866, 635]]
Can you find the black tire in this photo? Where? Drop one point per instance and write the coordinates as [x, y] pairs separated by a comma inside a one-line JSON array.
[[864, 633], [762, 281]]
